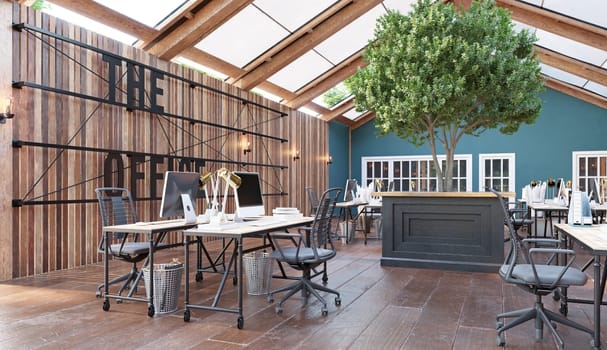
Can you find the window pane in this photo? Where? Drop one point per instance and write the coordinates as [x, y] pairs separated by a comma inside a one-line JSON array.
[[455, 168], [384, 168], [603, 168], [423, 185], [497, 167], [506, 168], [414, 169], [432, 169], [423, 171], [406, 185], [497, 185], [405, 170], [369, 170], [592, 166], [462, 168], [487, 168], [506, 187], [397, 185], [582, 166], [376, 169], [413, 185], [487, 183], [432, 185], [462, 185], [396, 170]]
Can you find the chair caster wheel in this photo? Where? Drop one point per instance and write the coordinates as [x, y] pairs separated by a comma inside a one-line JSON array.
[[240, 322], [278, 310], [325, 312], [500, 341], [198, 276], [499, 324], [556, 296], [270, 299], [98, 294], [186, 316], [151, 311], [106, 305], [337, 301]]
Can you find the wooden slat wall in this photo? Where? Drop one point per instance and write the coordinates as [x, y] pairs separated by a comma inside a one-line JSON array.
[[52, 237]]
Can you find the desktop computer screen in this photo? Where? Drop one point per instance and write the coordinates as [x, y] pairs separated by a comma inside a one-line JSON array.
[[249, 200], [177, 184]]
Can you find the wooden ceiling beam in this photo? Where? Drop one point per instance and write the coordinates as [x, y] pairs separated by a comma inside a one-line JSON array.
[[573, 66], [339, 110], [555, 23], [577, 92], [189, 33], [109, 17], [328, 80], [306, 42]]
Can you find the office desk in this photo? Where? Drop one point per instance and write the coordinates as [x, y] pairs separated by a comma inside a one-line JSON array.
[[346, 209], [154, 232], [235, 235], [594, 239], [547, 208], [371, 209]]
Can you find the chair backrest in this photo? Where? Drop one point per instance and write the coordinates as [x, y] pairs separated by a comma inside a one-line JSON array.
[[313, 197], [320, 234], [117, 208]]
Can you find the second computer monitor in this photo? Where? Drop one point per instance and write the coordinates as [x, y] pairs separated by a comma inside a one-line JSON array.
[[176, 186], [249, 200]]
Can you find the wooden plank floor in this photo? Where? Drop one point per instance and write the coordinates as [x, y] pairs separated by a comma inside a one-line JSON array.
[[382, 308]]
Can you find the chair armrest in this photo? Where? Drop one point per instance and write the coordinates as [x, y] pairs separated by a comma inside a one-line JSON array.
[[284, 235], [542, 240], [554, 252]]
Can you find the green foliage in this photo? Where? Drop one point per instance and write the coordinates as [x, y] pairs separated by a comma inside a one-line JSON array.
[[335, 95], [438, 73], [40, 5]]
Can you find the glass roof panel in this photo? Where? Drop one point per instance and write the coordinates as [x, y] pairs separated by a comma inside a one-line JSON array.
[[267, 95], [294, 14], [351, 38], [591, 11], [196, 66], [243, 37], [85, 22], [148, 12], [597, 88], [403, 6], [352, 114], [299, 72], [571, 48], [562, 75]]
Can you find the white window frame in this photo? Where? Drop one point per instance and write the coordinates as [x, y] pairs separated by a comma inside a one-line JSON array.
[[575, 173], [511, 157], [392, 159]]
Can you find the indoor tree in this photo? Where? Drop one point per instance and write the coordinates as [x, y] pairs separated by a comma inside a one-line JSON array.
[[440, 73]]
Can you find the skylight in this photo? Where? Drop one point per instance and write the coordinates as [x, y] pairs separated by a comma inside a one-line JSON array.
[[148, 12]]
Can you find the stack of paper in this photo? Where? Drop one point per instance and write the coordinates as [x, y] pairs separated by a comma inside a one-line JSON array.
[[287, 213]]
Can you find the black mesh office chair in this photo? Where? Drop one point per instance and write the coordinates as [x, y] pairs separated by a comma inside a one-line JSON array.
[[523, 268], [313, 197], [117, 208], [313, 247]]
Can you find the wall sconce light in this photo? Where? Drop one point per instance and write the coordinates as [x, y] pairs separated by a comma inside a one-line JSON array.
[[247, 148], [295, 155], [7, 114], [329, 160]]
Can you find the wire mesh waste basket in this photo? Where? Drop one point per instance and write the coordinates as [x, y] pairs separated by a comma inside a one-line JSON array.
[[258, 272], [167, 281]]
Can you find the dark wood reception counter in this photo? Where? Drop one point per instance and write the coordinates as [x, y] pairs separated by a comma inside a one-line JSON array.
[[443, 230]]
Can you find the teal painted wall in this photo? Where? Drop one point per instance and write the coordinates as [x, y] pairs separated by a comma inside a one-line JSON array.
[[542, 150], [338, 149]]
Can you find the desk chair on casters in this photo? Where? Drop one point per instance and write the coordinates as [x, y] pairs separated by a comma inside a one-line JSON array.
[[523, 268], [313, 247], [117, 208]]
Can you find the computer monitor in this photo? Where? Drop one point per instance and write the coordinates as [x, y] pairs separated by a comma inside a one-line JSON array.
[[349, 190], [248, 197], [179, 195]]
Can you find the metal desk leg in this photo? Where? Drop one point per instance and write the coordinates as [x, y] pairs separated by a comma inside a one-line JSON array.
[[597, 302], [186, 267], [240, 322], [151, 310], [106, 265]]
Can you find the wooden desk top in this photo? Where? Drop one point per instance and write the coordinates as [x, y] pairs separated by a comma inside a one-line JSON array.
[[442, 194], [244, 229], [592, 237]]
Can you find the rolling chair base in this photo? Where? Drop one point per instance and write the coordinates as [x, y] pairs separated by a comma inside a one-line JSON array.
[[306, 287]]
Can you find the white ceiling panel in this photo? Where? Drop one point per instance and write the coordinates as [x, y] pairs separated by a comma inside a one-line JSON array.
[[562, 75], [591, 11], [352, 114], [301, 71], [244, 37], [293, 14], [597, 88], [148, 12], [571, 48], [402, 6], [351, 38]]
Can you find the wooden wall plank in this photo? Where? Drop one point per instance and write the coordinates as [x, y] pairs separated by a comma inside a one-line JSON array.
[[59, 236]]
